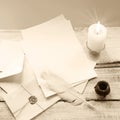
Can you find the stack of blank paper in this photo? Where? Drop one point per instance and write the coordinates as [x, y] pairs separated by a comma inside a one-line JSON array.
[[53, 46]]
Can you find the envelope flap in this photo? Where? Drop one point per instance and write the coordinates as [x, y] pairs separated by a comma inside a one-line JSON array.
[[35, 90], [17, 99], [12, 57], [28, 101]]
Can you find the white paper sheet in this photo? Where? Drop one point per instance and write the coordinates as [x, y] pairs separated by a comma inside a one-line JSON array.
[[11, 58], [53, 46]]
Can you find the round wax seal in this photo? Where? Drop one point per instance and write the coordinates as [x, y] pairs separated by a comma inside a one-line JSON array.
[[32, 99]]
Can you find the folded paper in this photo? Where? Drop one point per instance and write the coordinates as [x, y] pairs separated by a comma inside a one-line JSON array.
[[11, 83], [12, 57], [27, 101]]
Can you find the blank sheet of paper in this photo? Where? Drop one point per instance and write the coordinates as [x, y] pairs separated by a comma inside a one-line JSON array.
[[53, 46]]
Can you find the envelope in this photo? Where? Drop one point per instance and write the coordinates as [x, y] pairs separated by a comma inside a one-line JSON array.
[[12, 57], [27, 101], [11, 83]]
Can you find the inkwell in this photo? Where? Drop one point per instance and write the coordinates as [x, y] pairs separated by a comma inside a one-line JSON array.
[[102, 88]]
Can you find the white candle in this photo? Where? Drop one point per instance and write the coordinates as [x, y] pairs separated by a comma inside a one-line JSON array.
[[96, 37]]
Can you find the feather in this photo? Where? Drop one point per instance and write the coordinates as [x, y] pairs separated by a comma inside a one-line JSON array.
[[64, 90]]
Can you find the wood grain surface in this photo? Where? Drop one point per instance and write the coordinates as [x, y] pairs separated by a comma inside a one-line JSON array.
[[107, 68]]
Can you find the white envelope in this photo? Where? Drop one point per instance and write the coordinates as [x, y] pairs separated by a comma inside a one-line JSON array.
[[11, 58], [10, 83], [27, 101]]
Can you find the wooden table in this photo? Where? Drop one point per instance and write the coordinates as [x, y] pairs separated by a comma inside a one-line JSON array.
[[107, 68]]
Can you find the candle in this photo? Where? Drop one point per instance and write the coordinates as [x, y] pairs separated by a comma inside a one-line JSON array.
[[96, 37]]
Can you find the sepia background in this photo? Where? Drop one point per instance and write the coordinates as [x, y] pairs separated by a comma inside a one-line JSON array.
[[20, 14]]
